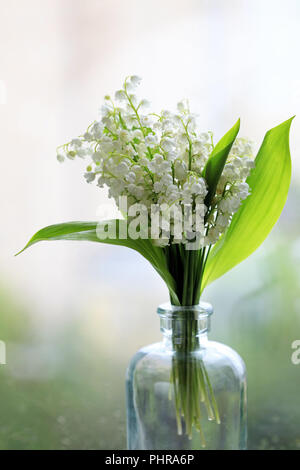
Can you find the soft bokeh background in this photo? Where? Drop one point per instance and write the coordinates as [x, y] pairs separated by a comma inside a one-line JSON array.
[[72, 314]]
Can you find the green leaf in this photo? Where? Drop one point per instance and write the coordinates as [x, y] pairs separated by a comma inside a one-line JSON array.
[[216, 162], [269, 182], [89, 231]]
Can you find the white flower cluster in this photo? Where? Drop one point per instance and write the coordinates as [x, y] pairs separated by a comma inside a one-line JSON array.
[[158, 159]]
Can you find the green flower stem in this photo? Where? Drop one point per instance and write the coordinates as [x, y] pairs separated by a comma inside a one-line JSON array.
[[190, 381], [189, 378]]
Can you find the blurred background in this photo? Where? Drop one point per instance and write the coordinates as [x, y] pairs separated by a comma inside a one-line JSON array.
[[72, 314]]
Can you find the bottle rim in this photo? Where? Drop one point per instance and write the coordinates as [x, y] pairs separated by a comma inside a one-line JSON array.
[[201, 311]]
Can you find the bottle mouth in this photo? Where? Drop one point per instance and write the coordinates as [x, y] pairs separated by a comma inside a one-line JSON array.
[[198, 312]]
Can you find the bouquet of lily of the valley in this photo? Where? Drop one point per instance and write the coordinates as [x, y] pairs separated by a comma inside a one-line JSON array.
[[193, 207]]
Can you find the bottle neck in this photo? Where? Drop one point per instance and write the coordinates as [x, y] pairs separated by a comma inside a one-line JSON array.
[[185, 329]]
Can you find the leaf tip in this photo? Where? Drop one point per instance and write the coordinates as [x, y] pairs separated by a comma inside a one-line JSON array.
[[238, 124], [31, 242], [289, 121], [21, 251]]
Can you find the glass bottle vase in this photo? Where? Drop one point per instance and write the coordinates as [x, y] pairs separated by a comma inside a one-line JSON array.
[[186, 392]]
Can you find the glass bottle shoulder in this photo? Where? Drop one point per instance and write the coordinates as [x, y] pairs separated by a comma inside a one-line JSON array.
[[215, 356]]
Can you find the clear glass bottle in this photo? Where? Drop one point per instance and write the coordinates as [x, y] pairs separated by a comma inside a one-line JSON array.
[[186, 392]]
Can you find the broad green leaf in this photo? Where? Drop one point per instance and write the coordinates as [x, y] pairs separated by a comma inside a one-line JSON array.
[[269, 183], [87, 231], [216, 162]]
